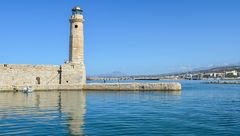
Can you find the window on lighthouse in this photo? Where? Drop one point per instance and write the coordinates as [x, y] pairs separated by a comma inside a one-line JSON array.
[[76, 26]]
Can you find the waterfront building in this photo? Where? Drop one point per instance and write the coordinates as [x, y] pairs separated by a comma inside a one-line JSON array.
[[233, 73], [197, 76], [207, 75], [188, 76]]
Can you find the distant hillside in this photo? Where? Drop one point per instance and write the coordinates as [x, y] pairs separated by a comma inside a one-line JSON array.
[[213, 70], [219, 69], [222, 69]]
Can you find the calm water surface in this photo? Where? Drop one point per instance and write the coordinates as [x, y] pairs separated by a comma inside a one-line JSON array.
[[200, 109]]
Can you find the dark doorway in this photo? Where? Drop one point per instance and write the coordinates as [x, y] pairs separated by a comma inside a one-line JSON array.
[[38, 80]]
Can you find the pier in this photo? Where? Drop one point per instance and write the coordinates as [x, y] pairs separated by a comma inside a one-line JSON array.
[[133, 86]]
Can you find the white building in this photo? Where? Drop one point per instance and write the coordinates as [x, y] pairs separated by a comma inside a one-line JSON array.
[[233, 73]]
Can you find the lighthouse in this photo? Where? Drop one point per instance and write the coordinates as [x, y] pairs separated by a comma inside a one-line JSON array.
[[76, 46], [74, 73]]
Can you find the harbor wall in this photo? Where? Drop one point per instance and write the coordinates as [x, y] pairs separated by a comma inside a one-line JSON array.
[[134, 86], [42, 77], [26, 75]]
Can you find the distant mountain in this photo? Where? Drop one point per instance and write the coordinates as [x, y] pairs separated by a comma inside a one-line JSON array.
[[213, 69], [224, 68], [208, 69]]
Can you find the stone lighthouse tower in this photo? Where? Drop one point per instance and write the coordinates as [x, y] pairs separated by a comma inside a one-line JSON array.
[[76, 50], [74, 73]]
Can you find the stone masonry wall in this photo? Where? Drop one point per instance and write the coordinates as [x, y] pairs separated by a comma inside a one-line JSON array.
[[14, 76], [73, 74], [28, 75], [134, 86]]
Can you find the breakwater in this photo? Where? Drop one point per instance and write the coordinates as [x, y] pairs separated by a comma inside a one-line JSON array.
[[101, 86], [134, 86]]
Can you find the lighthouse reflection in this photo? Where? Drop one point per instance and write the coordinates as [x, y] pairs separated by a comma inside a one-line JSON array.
[[67, 107], [73, 104]]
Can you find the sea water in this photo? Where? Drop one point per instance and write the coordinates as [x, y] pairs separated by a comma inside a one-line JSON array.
[[199, 109]]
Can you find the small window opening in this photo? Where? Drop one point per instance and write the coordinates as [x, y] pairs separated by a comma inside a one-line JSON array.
[[5, 65], [76, 26], [38, 80], [67, 81]]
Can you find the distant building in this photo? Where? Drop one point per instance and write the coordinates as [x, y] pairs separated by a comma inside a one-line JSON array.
[[233, 73], [188, 76], [207, 75], [217, 75], [197, 76]]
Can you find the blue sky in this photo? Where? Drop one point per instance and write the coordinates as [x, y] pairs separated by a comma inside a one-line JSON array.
[[131, 36]]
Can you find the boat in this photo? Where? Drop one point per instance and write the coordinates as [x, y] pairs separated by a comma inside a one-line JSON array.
[[27, 90]]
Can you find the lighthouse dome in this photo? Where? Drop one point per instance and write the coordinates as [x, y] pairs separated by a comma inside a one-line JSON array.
[[77, 8]]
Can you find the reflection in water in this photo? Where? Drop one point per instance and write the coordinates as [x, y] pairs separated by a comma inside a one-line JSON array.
[[70, 104], [199, 109], [74, 104], [54, 113], [134, 96]]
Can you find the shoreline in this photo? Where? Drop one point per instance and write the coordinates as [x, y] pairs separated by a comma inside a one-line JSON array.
[[222, 82]]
